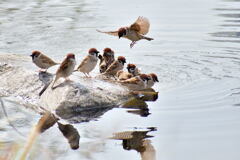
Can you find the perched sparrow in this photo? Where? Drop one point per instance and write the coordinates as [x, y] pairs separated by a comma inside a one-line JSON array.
[[136, 83], [121, 75], [153, 79], [89, 62], [133, 69], [134, 32], [108, 56], [42, 61], [115, 66], [102, 64], [66, 68], [107, 59]]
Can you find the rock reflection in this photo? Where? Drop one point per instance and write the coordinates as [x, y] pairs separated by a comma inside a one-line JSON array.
[[138, 104], [136, 140]]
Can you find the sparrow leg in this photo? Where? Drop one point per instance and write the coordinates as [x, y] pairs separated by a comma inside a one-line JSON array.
[[89, 75], [132, 44], [54, 82]]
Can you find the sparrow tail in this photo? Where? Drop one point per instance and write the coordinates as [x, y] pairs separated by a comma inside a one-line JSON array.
[[147, 38], [75, 70]]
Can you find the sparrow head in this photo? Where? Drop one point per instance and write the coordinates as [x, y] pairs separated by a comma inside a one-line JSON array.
[[131, 68], [122, 32], [154, 77], [70, 56], [103, 68], [107, 52], [144, 77], [35, 54], [93, 51], [122, 59]]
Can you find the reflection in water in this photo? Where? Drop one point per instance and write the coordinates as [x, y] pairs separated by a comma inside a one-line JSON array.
[[138, 104], [131, 140], [71, 134], [136, 140]]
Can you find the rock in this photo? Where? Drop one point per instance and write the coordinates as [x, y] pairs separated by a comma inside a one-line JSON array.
[[89, 95]]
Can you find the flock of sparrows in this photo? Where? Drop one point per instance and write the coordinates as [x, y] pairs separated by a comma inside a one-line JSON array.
[[108, 66]]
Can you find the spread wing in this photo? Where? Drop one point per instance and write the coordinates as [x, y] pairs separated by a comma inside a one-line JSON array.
[[47, 60], [141, 25], [113, 33], [84, 61]]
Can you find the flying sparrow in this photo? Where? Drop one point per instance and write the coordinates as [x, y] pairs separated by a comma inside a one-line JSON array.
[[133, 69], [134, 32], [115, 66], [121, 75], [66, 68], [153, 79], [89, 62], [42, 61], [136, 83], [107, 59]]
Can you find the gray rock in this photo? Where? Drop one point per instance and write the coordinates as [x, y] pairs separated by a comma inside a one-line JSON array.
[[81, 96]]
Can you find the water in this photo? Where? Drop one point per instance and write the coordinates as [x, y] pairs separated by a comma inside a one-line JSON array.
[[195, 54]]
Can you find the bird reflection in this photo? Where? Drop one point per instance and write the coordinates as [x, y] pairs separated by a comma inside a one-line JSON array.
[[136, 140], [138, 104], [69, 132]]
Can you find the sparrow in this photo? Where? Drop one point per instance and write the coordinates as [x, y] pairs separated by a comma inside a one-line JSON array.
[[133, 69], [153, 79], [89, 62], [66, 68], [136, 83], [121, 75], [115, 66], [102, 64], [106, 60], [42, 61], [134, 32]]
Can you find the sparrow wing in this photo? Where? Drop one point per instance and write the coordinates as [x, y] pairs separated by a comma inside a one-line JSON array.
[[133, 80], [64, 65], [113, 33], [112, 67], [141, 25], [47, 60], [84, 61]]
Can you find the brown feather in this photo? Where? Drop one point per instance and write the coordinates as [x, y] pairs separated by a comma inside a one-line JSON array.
[[84, 61], [113, 33], [47, 60], [141, 25]]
